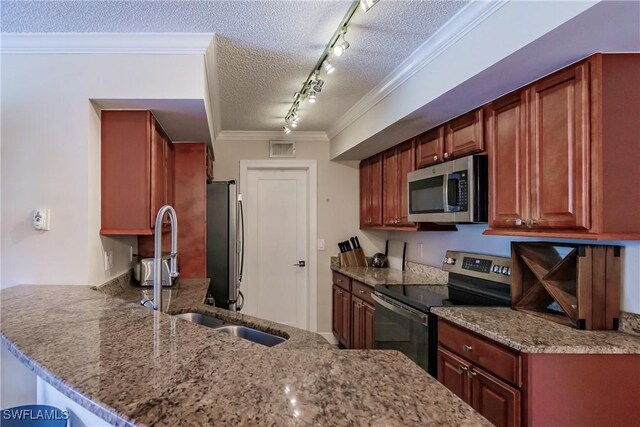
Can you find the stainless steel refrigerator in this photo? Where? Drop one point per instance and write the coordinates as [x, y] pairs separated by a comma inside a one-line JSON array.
[[225, 245]]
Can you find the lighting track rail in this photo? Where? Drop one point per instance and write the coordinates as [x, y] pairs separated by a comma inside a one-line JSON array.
[[337, 45]]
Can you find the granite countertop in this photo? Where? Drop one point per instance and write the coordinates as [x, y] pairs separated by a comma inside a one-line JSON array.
[[532, 334], [416, 274], [134, 366]]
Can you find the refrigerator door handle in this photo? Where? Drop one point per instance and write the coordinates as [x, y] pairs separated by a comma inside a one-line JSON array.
[[241, 239]]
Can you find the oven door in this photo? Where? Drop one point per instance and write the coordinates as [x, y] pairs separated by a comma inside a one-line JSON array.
[[402, 328]]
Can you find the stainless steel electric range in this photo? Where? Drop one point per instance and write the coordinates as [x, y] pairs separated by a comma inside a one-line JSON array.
[[403, 318]]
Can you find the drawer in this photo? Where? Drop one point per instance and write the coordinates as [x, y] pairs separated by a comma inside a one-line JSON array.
[[341, 280], [362, 291], [482, 352]]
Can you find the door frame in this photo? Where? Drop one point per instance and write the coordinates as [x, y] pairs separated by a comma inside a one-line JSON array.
[[311, 168]]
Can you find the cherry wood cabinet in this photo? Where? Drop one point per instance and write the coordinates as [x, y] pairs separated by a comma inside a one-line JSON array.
[[510, 388], [397, 162], [430, 147], [371, 192], [137, 171], [459, 137], [562, 151], [353, 313]]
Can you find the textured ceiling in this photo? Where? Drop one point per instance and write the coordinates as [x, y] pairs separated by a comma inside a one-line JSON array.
[[265, 48]]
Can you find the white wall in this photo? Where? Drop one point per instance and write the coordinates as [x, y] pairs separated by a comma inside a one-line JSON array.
[[469, 238], [338, 203], [50, 156]]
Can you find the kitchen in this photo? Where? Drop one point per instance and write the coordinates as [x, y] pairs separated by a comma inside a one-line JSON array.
[[72, 252]]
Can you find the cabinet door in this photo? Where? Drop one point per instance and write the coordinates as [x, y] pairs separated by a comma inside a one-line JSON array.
[[357, 324], [170, 167], [406, 163], [452, 373], [495, 400], [560, 157], [390, 195], [158, 172], [365, 193], [508, 167], [375, 188], [369, 327], [464, 135], [345, 328], [430, 147], [336, 318]]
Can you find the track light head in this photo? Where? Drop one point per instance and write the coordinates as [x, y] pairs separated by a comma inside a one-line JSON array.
[[286, 129], [328, 68], [365, 5], [340, 47], [317, 85], [312, 97]]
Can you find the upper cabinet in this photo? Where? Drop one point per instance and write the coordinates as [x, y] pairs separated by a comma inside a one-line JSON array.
[[371, 192], [137, 169], [460, 137], [563, 151], [398, 161]]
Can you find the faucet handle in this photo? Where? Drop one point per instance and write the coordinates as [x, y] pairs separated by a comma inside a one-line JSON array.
[[174, 274], [146, 302]]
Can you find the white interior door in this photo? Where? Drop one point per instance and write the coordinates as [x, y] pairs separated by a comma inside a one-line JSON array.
[[275, 287]]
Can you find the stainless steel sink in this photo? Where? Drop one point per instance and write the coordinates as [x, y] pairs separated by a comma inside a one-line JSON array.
[[253, 335], [202, 319], [244, 332]]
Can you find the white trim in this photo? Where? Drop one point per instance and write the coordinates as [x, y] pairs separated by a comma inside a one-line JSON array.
[[119, 43], [455, 28], [311, 166], [331, 339], [256, 135]]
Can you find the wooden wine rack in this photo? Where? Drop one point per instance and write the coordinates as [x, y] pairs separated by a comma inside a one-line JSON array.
[[585, 283]]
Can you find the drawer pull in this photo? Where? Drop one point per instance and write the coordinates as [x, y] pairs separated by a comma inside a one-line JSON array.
[[462, 369], [466, 348], [361, 291], [339, 280], [471, 374]]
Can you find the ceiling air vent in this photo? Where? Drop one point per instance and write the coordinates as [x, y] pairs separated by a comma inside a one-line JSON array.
[[282, 149]]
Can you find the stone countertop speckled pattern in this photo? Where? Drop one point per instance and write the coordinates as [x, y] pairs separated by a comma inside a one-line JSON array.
[[531, 334], [388, 276], [134, 366]]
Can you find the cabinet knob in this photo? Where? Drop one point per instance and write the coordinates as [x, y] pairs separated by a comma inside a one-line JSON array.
[[462, 369], [518, 221], [530, 222], [466, 348], [361, 291], [471, 374], [339, 280], [446, 155], [435, 158]]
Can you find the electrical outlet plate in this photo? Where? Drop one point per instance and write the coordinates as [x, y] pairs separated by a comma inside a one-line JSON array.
[[420, 249], [108, 260], [321, 244], [41, 219]]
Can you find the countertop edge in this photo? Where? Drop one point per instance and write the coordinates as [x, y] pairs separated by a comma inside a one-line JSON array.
[[443, 313], [99, 409]]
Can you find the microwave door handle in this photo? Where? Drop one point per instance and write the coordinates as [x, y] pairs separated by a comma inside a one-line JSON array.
[[445, 193]]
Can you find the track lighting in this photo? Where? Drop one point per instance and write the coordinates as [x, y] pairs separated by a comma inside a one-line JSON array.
[[337, 46], [365, 5], [328, 68]]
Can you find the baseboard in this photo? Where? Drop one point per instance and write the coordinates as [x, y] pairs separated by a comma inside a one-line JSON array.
[[331, 339]]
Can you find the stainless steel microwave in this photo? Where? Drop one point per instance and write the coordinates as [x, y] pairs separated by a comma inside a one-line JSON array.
[[451, 192]]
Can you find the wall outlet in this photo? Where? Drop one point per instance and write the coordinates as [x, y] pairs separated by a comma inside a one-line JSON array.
[[130, 253], [420, 250], [41, 219], [108, 260], [321, 244]]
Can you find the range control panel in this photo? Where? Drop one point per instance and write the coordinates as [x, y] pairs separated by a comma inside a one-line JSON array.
[[486, 267]]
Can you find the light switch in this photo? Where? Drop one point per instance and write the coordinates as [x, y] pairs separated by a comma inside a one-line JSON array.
[[321, 244], [420, 250]]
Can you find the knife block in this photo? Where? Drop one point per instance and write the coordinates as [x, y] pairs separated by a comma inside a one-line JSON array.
[[353, 258]]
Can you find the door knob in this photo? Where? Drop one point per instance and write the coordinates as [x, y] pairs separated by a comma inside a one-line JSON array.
[[299, 264]]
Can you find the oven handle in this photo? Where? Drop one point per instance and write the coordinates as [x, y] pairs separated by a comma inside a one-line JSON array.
[[402, 310]]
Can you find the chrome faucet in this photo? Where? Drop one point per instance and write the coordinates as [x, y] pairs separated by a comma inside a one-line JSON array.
[[156, 303]]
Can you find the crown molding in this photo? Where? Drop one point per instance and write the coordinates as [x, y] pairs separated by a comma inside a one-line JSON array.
[[453, 30], [242, 135], [118, 43]]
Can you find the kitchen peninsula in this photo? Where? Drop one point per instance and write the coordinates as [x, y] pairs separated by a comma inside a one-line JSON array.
[[102, 352]]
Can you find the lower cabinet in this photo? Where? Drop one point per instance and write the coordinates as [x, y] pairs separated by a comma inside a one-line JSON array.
[[353, 313], [510, 388]]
